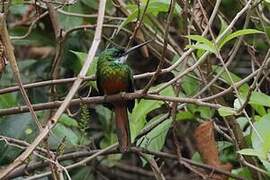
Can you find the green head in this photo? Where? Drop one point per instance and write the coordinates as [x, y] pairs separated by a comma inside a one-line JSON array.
[[117, 54], [112, 54]]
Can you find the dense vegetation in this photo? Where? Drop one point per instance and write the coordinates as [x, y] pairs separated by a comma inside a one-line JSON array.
[[202, 85]]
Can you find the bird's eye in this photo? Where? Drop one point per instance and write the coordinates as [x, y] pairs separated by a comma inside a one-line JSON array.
[[119, 53]]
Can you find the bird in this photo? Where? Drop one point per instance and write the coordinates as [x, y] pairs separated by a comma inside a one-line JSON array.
[[113, 77]]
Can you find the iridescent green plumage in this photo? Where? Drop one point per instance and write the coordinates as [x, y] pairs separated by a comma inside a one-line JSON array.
[[111, 70], [114, 77]]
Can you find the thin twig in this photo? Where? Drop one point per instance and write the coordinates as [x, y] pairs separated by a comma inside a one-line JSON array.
[[4, 36], [164, 50], [19, 160]]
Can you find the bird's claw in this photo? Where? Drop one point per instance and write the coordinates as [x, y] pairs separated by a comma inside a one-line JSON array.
[[122, 95], [105, 98]]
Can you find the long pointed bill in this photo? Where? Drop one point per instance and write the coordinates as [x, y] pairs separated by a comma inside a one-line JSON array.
[[125, 55], [136, 47]]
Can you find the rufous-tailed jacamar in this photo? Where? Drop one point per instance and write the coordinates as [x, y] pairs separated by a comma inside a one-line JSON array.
[[114, 77]]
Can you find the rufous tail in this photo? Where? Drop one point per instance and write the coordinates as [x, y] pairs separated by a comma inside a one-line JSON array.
[[122, 127]]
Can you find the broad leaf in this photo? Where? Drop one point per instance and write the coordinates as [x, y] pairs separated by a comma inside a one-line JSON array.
[[155, 139], [226, 111], [259, 98], [109, 139], [223, 25], [243, 89], [62, 134], [242, 172], [154, 8], [237, 34], [201, 39], [190, 85], [141, 109], [78, 64], [202, 111], [202, 43], [138, 116], [68, 22], [262, 145], [83, 173], [21, 127], [68, 121], [249, 152], [184, 115]]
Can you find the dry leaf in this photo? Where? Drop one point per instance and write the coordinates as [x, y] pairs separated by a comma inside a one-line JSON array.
[[207, 147]]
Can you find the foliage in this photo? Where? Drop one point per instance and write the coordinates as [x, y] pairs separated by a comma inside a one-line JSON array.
[[192, 86]]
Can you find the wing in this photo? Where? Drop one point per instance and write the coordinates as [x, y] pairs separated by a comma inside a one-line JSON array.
[[131, 103], [98, 80]]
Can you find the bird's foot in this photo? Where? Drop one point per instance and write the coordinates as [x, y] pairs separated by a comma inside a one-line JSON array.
[[105, 98], [122, 95]]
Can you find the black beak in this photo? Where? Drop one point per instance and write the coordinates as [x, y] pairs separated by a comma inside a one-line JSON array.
[[135, 47]]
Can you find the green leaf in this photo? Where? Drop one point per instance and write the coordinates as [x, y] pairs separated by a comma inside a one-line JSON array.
[[259, 98], [223, 25], [201, 39], [8, 100], [60, 133], [17, 2], [203, 111], [184, 115], [190, 85], [266, 164], [109, 139], [154, 8], [155, 139], [81, 57], [167, 91], [83, 173], [138, 116], [78, 64], [68, 22], [262, 146], [249, 152], [226, 152], [226, 111], [196, 157], [238, 103], [68, 121], [159, 6], [18, 9], [202, 47], [35, 38], [242, 121], [242, 172], [104, 116], [259, 109], [202, 43], [222, 145], [141, 109], [93, 4], [242, 89], [19, 126], [237, 34]]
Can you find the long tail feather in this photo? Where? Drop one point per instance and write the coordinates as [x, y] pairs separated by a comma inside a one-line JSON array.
[[122, 127]]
